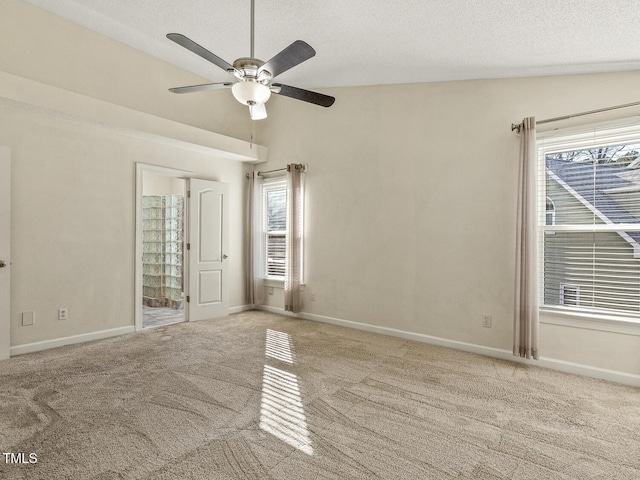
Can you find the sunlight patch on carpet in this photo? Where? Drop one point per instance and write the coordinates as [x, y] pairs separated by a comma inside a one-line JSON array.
[[281, 410], [279, 346]]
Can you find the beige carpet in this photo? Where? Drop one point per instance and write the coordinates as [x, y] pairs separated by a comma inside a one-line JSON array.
[[263, 396]]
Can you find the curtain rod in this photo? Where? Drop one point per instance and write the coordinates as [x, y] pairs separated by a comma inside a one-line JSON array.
[[304, 170], [518, 126]]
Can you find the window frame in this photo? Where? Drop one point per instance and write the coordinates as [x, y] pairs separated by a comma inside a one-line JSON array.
[[271, 184], [571, 139], [550, 211]]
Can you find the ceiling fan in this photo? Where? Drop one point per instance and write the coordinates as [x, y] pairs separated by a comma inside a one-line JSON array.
[[253, 85]]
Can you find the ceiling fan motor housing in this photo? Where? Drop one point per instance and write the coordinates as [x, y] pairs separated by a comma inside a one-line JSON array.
[[249, 69], [252, 89]]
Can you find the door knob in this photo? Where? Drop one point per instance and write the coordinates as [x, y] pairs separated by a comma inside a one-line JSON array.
[[2, 264], [225, 256]]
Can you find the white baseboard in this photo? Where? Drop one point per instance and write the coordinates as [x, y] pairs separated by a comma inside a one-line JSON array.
[[87, 337], [560, 365], [587, 371], [240, 308], [553, 364], [278, 310], [59, 342]]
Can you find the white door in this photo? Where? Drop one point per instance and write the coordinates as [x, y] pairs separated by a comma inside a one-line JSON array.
[[207, 243], [5, 237]]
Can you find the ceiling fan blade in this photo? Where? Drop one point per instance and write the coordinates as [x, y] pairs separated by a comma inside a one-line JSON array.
[[291, 56], [304, 95], [200, 88], [199, 50], [258, 111]]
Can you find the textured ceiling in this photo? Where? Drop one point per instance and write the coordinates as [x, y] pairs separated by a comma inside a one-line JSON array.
[[369, 42]]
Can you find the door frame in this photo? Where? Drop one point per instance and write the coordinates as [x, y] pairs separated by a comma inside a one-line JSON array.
[[5, 252], [141, 169]]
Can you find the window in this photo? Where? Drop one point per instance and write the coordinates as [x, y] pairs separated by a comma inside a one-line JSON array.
[[275, 227], [589, 199], [569, 294], [550, 212]]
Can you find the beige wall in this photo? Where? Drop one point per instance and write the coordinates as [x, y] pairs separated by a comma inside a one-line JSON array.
[[73, 225], [410, 205], [41, 46], [73, 180], [162, 185], [410, 192]]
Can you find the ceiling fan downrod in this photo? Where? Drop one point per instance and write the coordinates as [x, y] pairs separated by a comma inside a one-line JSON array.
[[253, 33]]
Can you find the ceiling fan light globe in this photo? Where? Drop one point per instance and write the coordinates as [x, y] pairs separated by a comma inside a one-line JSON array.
[[251, 93]]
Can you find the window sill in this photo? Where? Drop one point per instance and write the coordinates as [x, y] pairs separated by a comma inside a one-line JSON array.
[[605, 323], [272, 282]]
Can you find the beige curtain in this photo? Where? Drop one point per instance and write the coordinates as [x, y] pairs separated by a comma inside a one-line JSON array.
[[525, 332], [255, 276], [293, 250]]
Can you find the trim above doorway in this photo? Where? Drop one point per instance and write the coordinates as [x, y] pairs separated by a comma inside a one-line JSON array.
[[141, 169]]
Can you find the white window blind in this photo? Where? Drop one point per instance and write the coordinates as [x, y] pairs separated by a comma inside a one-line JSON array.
[[569, 294], [590, 257], [275, 226]]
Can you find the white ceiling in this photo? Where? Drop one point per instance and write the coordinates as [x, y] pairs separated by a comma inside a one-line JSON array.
[[369, 42]]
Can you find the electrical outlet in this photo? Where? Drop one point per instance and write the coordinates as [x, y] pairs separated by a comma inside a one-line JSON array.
[[63, 314], [27, 318], [313, 296], [486, 321]]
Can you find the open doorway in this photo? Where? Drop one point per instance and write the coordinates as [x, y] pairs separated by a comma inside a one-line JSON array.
[[162, 215], [167, 273]]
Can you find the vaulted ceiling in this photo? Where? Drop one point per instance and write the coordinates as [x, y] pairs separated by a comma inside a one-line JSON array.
[[370, 42]]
